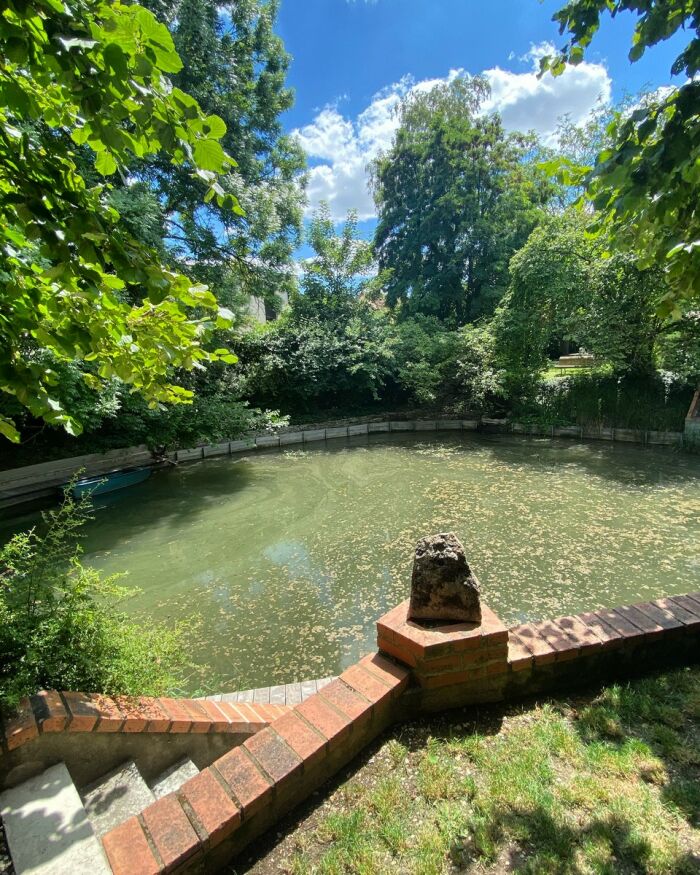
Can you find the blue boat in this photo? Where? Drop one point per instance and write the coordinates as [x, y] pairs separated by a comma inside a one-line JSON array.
[[110, 482]]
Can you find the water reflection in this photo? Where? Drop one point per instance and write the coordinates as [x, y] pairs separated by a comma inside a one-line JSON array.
[[290, 556]]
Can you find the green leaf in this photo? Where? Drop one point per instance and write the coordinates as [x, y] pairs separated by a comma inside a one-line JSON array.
[[105, 163], [8, 430], [209, 155]]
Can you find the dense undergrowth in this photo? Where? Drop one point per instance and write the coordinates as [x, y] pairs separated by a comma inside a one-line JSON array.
[[60, 622]]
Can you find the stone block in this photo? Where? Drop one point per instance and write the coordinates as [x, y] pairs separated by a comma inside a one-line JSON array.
[[473, 424], [361, 428], [336, 432], [190, 455], [449, 425], [242, 445], [402, 425], [291, 437], [314, 434], [426, 425], [567, 431], [378, 427]]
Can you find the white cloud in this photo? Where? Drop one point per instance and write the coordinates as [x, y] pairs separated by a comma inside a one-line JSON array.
[[340, 148]]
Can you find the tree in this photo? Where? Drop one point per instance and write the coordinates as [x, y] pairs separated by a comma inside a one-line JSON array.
[[330, 348], [339, 271], [90, 77], [563, 289], [235, 66], [456, 197], [646, 185]]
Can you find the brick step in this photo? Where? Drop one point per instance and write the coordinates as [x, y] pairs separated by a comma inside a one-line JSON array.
[[280, 694], [173, 778]]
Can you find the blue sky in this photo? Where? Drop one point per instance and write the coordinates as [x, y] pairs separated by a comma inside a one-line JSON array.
[[354, 59]]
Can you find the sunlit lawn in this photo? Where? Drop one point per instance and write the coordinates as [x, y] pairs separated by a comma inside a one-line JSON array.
[[606, 783]]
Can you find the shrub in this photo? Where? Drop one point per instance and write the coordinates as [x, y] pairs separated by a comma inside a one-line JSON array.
[[655, 402], [60, 626]]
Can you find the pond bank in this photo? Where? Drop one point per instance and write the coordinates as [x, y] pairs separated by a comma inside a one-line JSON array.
[[41, 481]]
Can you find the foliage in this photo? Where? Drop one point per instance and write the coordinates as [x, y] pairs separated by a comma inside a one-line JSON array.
[[455, 369], [89, 78], [639, 401], [563, 290], [338, 273], [216, 414], [330, 347], [235, 66], [644, 186], [678, 349], [456, 197], [60, 627], [313, 364], [425, 359]]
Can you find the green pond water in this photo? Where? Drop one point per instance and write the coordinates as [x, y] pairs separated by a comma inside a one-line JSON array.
[[290, 556]]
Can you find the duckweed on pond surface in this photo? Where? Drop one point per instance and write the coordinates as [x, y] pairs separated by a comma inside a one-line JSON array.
[[290, 556]]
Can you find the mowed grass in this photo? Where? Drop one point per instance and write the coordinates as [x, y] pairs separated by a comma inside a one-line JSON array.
[[606, 783]]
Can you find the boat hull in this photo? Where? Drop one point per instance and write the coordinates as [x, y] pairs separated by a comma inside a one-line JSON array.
[[110, 482]]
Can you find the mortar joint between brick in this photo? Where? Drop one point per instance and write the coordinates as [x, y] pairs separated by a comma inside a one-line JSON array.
[[151, 842], [259, 767], [312, 727], [196, 823], [229, 792]]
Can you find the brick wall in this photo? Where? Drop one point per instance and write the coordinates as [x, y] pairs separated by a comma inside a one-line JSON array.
[[217, 813], [419, 668]]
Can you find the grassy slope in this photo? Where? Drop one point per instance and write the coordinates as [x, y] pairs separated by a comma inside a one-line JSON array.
[[606, 783]]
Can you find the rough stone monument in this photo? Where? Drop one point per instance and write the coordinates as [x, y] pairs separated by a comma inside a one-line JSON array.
[[443, 586]]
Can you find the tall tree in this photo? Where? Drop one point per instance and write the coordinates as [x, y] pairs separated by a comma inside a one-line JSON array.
[[235, 66], [456, 197], [71, 73], [646, 184]]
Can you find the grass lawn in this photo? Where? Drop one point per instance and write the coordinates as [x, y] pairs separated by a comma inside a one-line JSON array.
[[607, 782]]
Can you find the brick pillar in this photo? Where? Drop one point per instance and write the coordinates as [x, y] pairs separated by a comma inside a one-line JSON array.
[[453, 664]]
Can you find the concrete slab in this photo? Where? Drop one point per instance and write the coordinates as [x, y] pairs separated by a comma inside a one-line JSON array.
[[217, 450], [47, 828], [173, 778], [116, 797]]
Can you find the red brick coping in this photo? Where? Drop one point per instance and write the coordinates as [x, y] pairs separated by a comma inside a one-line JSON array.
[[50, 711], [214, 815], [244, 791], [217, 813]]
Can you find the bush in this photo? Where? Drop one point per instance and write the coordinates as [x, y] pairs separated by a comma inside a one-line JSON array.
[[655, 402], [60, 626], [305, 364]]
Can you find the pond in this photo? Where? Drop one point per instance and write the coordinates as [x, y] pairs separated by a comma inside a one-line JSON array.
[[289, 556]]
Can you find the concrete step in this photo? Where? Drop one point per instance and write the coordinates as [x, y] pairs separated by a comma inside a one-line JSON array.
[[174, 777], [47, 827], [115, 797]]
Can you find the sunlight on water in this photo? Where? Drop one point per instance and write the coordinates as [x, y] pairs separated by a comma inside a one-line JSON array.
[[289, 557]]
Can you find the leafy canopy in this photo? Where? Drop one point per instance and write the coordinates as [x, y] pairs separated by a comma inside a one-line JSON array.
[[235, 66], [456, 197], [645, 186], [84, 90]]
